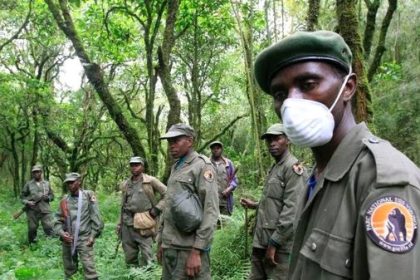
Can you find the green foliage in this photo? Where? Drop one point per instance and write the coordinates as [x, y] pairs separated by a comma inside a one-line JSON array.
[[396, 103], [43, 260], [389, 71], [229, 259]]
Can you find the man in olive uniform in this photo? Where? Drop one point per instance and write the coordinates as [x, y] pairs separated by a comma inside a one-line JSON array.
[[78, 223], [36, 196], [185, 255], [276, 210], [226, 177], [139, 196], [358, 179]]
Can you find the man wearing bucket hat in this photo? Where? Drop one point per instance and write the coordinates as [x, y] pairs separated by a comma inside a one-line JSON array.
[[78, 223], [142, 202], [191, 212], [358, 180], [276, 210], [36, 196], [226, 177]]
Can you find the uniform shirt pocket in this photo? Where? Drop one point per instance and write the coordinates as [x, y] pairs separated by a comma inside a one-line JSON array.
[[331, 252], [186, 181], [275, 188]]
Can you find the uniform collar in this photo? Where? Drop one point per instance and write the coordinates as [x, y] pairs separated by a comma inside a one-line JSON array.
[[190, 156], [283, 157], [346, 153]]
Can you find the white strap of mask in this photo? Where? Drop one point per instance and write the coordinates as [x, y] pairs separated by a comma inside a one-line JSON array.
[[341, 89]]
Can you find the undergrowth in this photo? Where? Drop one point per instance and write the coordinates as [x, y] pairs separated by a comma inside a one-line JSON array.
[[19, 261]]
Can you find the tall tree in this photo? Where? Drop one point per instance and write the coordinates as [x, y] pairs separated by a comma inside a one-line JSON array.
[[348, 27], [380, 48], [313, 15], [148, 15], [62, 16], [164, 71], [244, 16]]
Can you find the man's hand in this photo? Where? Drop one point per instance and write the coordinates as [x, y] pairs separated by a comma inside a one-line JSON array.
[[46, 198], [248, 203], [90, 241], [67, 237], [30, 203], [226, 192], [193, 264], [270, 255], [159, 254]]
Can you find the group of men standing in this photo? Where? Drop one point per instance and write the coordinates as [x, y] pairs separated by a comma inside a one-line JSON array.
[[354, 216]]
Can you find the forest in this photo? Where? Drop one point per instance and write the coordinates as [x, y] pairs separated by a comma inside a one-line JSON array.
[[86, 84]]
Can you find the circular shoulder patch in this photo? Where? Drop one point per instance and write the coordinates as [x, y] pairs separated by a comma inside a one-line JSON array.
[[208, 175], [93, 198], [298, 168], [391, 224]]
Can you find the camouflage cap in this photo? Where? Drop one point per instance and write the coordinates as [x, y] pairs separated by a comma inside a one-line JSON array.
[[216, 143], [71, 177], [137, 160], [275, 129], [36, 167], [301, 46], [179, 129]]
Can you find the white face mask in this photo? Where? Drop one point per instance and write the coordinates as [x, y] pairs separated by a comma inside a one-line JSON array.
[[309, 123]]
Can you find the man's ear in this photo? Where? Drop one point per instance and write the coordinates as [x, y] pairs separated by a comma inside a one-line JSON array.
[[350, 88]]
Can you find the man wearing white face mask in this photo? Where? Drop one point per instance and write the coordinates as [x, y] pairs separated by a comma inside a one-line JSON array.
[[358, 179]]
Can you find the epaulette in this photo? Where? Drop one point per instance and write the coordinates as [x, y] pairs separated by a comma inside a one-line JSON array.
[[205, 158], [393, 168]]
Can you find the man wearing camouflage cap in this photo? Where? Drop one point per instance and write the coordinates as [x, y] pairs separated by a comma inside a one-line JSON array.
[[185, 254], [226, 177], [36, 196], [348, 227], [78, 223], [142, 196], [276, 210]]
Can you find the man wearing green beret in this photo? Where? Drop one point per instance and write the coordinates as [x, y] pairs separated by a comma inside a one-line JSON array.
[[191, 210], [358, 217], [78, 223], [142, 197], [226, 177], [276, 210], [36, 196]]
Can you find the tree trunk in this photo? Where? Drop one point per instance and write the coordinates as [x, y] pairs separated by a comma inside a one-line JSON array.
[[370, 26], [164, 71], [313, 15], [380, 49], [348, 28], [254, 95], [95, 75]]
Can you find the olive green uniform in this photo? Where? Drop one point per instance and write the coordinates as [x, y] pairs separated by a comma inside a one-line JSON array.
[[33, 191], [91, 225], [139, 196], [195, 173], [276, 215], [334, 237]]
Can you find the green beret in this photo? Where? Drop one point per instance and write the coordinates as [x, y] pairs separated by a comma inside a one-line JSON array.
[[178, 130], [275, 129], [301, 46]]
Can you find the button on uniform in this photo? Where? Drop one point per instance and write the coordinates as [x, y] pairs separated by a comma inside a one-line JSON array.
[[348, 263], [313, 246]]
